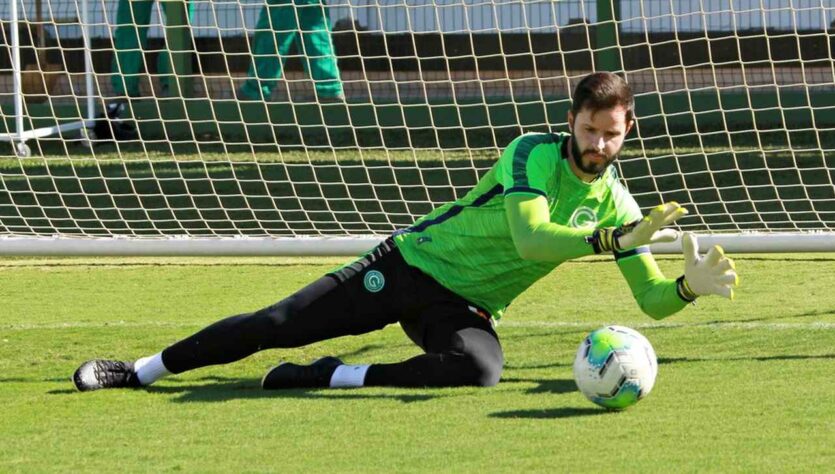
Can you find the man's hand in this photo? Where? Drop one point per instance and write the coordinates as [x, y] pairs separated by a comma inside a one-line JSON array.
[[641, 232], [713, 274]]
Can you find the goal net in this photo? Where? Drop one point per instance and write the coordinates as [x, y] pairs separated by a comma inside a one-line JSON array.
[[233, 133]]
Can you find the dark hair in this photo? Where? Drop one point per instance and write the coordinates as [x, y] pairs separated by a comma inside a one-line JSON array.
[[603, 90]]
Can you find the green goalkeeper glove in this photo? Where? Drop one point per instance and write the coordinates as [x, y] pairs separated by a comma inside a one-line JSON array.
[[713, 274], [641, 232]]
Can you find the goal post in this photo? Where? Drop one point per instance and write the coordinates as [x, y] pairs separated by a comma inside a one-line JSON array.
[[20, 134], [735, 107], [348, 246]]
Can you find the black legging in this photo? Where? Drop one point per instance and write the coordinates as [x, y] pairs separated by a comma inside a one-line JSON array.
[[461, 347]]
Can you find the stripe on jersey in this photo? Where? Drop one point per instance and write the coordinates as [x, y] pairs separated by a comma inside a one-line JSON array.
[[632, 252], [520, 157], [456, 209], [524, 189]]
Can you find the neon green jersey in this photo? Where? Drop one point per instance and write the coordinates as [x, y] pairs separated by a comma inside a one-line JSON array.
[[467, 245]]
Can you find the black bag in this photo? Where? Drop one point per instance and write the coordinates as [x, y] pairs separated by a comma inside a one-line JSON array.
[[110, 125]]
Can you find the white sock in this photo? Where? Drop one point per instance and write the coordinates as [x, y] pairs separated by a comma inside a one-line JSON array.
[[349, 376], [150, 369]]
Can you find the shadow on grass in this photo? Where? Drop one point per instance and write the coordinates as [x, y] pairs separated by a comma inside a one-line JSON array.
[[550, 413], [33, 379], [546, 385], [221, 389], [536, 366], [63, 391]]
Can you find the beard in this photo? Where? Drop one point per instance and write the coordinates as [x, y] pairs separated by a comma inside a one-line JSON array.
[[590, 167]]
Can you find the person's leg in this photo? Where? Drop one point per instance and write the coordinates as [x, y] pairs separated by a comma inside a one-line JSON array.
[[340, 303], [129, 40], [275, 33], [461, 346], [316, 312], [318, 54], [321, 310], [164, 65], [461, 349]]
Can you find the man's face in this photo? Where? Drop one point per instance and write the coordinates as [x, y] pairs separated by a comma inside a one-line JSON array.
[[597, 137]]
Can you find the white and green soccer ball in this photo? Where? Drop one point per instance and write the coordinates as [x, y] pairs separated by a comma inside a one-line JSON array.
[[615, 367]]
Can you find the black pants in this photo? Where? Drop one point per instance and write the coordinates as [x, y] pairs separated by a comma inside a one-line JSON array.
[[461, 347]]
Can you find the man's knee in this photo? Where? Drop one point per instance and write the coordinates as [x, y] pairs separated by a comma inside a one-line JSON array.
[[484, 356], [486, 371]]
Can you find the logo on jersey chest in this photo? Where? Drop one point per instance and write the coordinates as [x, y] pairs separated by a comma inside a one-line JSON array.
[[374, 281], [582, 217]]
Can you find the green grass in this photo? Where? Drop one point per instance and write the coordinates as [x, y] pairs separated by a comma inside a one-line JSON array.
[[742, 386]]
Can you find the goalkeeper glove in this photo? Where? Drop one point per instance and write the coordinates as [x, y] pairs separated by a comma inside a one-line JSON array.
[[713, 274], [641, 232]]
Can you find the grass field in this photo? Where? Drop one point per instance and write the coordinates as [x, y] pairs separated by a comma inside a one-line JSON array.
[[742, 386]]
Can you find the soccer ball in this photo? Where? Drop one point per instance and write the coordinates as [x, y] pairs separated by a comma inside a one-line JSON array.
[[615, 367]]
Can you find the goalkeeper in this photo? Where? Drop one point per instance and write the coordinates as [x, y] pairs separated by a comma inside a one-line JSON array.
[[446, 279]]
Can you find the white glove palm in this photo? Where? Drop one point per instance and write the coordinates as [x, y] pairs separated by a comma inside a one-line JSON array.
[[713, 274], [648, 230]]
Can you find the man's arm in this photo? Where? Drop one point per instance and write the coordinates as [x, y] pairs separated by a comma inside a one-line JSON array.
[[536, 237], [659, 297]]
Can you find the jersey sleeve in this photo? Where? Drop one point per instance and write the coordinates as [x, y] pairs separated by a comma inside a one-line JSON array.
[[536, 238], [656, 295], [526, 166]]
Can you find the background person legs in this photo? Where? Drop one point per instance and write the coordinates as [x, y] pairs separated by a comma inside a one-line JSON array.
[[164, 64], [130, 40], [275, 32], [319, 56], [281, 23]]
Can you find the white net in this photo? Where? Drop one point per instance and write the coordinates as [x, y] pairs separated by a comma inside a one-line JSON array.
[[735, 100]]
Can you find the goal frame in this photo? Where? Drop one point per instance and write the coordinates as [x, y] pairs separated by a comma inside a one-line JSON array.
[[606, 58], [20, 136], [754, 242]]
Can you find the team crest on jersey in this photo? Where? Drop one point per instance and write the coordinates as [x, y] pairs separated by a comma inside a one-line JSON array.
[[583, 216], [374, 281]]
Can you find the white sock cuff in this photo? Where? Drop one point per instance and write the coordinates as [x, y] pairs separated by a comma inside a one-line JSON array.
[[349, 376], [150, 369]]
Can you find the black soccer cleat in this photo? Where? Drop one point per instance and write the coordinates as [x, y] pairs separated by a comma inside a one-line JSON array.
[[96, 374], [289, 375]]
